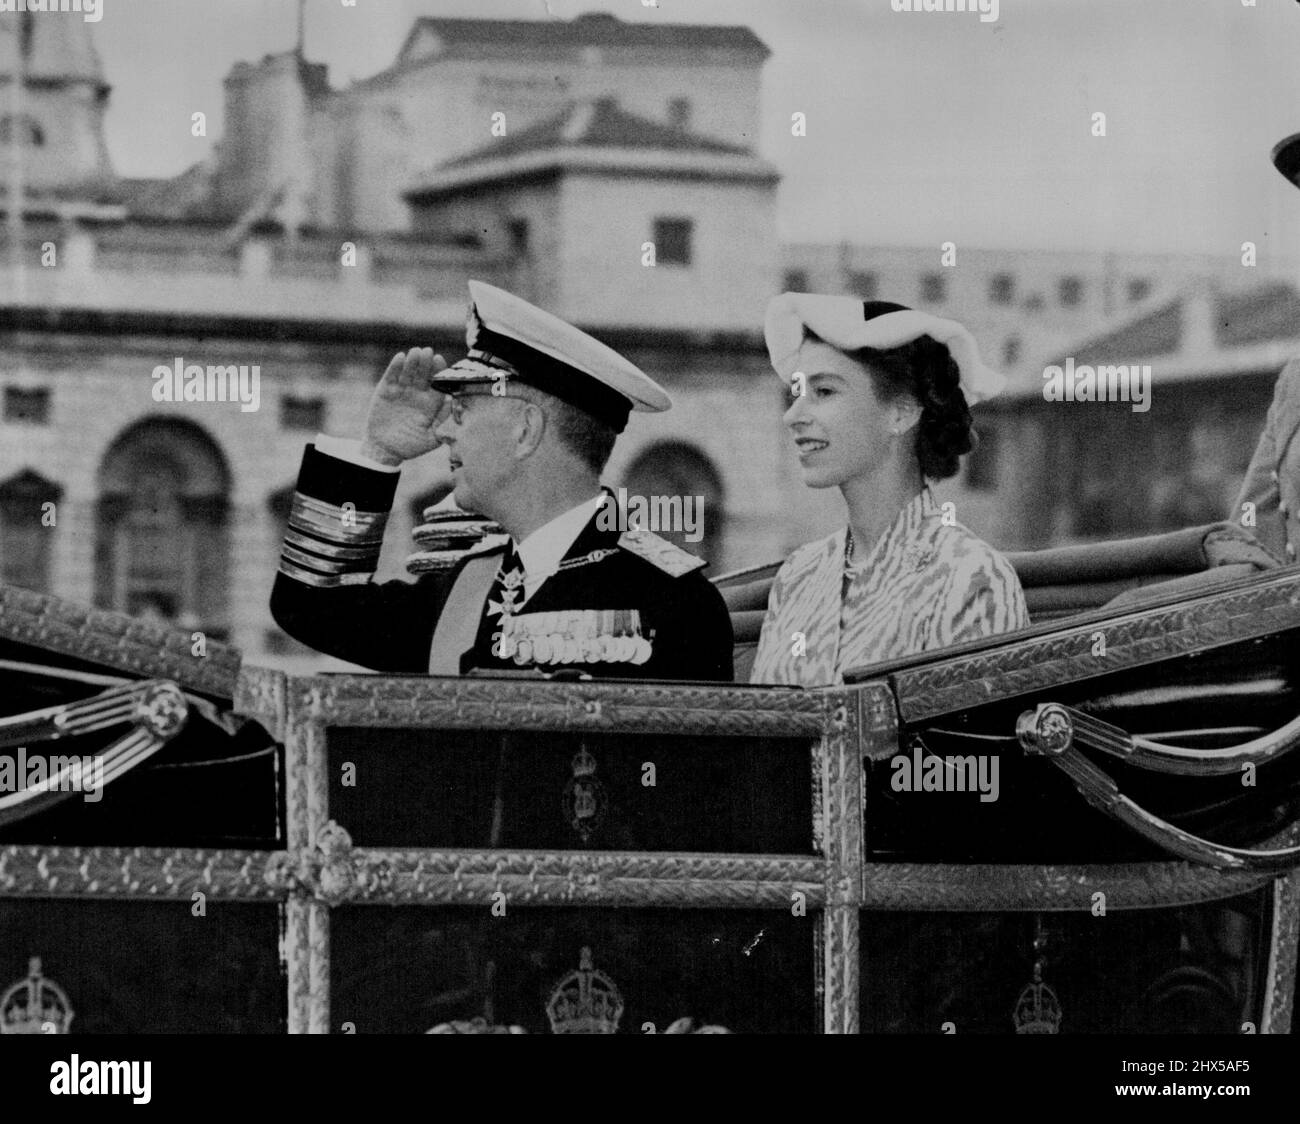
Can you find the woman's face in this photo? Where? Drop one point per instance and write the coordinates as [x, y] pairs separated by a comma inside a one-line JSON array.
[[841, 427]]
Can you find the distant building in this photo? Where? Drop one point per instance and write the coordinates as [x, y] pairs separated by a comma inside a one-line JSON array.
[[456, 86], [588, 199], [1075, 470]]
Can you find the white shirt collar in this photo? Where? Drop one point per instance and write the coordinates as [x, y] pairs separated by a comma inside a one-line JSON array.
[[543, 550]]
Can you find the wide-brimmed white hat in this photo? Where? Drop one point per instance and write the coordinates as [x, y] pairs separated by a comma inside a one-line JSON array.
[[849, 324]]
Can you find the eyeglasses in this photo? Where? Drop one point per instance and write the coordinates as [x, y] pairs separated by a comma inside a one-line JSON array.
[[456, 402]]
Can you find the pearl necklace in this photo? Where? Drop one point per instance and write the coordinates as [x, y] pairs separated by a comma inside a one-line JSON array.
[[849, 567]]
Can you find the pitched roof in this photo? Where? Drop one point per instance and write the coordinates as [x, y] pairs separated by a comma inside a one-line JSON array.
[[188, 196], [595, 124], [1270, 312], [1263, 314], [594, 29], [1203, 332], [1155, 332], [595, 135]]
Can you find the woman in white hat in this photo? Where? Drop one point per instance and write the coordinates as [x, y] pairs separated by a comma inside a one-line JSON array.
[[881, 406]]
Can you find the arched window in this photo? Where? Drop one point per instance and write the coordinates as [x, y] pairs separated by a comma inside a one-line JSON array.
[[26, 530], [678, 480], [29, 131], [163, 548]]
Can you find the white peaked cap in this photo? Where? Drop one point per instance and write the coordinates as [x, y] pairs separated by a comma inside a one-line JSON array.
[[508, 337], [849, 324]]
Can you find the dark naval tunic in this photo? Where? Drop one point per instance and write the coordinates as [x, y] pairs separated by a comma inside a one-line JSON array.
[[621, 605]]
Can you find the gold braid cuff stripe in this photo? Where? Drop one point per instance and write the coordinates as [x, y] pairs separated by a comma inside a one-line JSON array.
[[343, 525], [327, 566], [320, 581], [365, 553]]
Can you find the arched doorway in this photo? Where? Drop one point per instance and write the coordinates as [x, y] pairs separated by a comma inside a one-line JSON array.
[[25, 532], [674, 471], [162, 549]]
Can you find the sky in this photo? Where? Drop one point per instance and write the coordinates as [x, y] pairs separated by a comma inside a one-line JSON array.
[[923, 127]]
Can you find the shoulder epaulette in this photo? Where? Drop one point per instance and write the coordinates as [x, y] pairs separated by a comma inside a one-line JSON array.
[[660, 553], [441, 561], [489, 545]]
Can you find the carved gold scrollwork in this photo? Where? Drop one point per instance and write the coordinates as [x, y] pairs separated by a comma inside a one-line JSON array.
[[585, 878], [333, 871], [337, 872]]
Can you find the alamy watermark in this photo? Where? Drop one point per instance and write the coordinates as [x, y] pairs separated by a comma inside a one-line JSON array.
[[684, 514], [988, 9], [53, 773], [75, 1077], [1126, 382], [92, 11], [195, 383], [929, 772]]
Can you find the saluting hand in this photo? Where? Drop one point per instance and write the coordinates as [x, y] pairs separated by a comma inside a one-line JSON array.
[[405, 409]]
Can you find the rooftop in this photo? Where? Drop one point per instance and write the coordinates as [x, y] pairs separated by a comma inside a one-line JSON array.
[[594, 29], [596, 135], [595, 124], [1206, 331], [1224, 319]]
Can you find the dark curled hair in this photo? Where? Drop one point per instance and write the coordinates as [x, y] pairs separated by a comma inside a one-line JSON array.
[[925, 370]]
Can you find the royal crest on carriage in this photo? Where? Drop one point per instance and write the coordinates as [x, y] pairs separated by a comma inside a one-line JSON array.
[[1038, 1011], [586, 1001], [585, 800], [35, 1005]]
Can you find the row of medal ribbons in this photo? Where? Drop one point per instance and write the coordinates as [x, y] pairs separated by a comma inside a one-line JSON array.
[[573, 636]]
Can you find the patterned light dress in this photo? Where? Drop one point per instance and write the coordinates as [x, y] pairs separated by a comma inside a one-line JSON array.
[[924, 585]]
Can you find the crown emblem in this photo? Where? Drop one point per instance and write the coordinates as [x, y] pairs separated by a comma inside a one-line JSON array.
[[585, 1001], [585, 800], [1038, 1011], [35, 1005]]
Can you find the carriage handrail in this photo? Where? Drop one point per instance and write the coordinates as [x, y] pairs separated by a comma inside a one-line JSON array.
[[1185, 761], [1053, 731], [1060, 652], [155, 709]]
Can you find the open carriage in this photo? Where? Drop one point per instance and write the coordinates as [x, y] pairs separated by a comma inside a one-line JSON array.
[[1089, 826]]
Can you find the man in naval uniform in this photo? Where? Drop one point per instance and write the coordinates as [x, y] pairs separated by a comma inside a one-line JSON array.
[[1272, 483], [529, 418]]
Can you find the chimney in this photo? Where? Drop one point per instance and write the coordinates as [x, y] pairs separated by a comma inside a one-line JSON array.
[[265, 143]]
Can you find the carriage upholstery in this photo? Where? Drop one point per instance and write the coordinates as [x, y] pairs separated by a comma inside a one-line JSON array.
[[1062, 581]]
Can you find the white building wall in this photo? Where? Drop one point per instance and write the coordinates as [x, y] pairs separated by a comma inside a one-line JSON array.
[[605, 223]]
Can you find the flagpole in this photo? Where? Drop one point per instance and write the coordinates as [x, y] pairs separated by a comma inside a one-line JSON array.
[[17, 149]]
